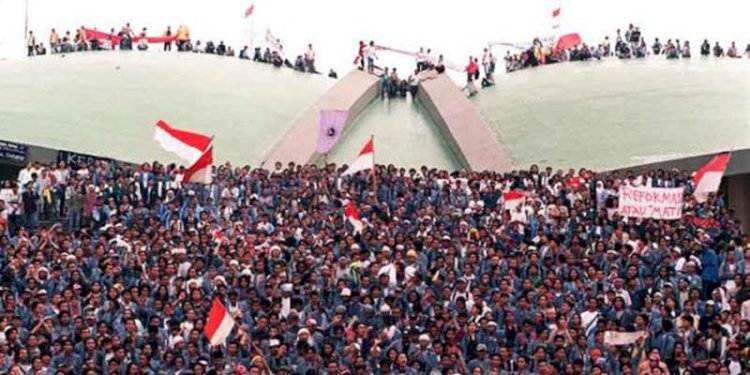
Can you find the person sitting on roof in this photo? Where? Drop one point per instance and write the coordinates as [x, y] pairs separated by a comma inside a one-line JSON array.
[[732, 51], [624, 51], [642, 50], [221, 49], [656, 47], [299, 64], [671, 51], [440, 66], [686, 50], [718, 51], [40, 50], [276, 60], [142, 44]]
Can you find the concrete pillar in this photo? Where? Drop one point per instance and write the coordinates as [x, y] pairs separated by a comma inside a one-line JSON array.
[[459, 121]]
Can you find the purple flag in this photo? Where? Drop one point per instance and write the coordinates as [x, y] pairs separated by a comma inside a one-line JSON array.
[[331, 126]]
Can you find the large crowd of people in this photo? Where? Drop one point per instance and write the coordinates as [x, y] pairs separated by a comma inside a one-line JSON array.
[[631, 44], [126, 38], [111, 269]]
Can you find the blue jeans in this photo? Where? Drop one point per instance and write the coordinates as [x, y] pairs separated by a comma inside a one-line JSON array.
[[31, 220], [370, 65], [385, 89], [74, 220]]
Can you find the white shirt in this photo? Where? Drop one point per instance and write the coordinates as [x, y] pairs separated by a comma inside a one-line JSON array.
[[24, 176], [370, 52], [61, 175], [745, 309]]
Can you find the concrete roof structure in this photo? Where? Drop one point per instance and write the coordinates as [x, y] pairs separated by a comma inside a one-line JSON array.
[[617, 113], [107, 103], [603, 115]]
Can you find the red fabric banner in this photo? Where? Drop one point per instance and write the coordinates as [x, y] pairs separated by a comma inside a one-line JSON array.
[[95, 34]]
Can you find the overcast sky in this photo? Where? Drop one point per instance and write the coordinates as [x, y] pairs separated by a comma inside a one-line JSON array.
[[456, 28]]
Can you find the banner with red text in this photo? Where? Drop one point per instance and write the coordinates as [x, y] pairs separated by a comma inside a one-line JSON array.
[[654, 203]]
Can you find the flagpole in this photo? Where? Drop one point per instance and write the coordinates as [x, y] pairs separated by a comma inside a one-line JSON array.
[[325, 159], [26, 22], [374, 175], [252, 29]]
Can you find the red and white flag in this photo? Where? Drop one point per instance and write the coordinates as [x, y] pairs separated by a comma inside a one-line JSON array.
[[200, 171], [352, 216], [708, 178], [365, 160], [219, 324], [556, 15], [187, 145], [515, 201], [250, 9], [218, 236]]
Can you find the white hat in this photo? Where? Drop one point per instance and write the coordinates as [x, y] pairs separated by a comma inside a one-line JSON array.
[[346, 292], [177, 340], [220, 279], [385, 309], [424, 337]]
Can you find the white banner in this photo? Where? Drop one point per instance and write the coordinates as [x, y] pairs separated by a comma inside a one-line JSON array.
[[655, 203], [615, 338]]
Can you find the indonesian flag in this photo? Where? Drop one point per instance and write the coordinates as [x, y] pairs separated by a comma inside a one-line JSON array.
[[556, 16], [708, 178], [219, 324], [187, 145], [249, 11], [218, 236], [200, 171], [515, 201], [365, 160], [352, 216]]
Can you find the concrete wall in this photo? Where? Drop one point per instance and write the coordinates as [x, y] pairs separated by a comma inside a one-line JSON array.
[[458, 120], [738, 194], [352, 93]]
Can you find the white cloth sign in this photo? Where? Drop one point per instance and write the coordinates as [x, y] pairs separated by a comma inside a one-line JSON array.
[[655, 203], [615, 338]]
